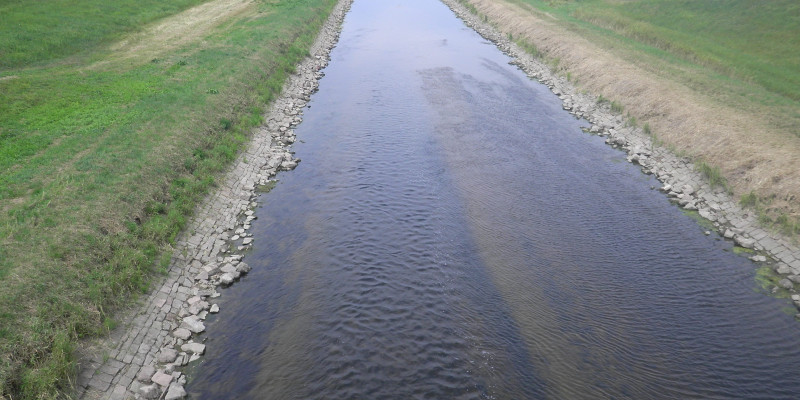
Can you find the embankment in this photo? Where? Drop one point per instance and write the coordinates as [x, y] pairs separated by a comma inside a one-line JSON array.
[[145, 357], [750, 149], [682, 180], [111, 137]]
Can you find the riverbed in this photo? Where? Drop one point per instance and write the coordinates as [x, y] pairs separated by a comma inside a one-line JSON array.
[[452, 232]]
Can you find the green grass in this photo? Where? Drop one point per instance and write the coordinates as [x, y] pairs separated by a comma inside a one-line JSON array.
[[100, 168], [771, 217], [740, 52], [32, 32], [755, 41], [743, 39], [713, 175]]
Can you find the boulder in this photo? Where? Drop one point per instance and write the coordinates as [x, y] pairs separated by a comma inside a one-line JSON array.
[[226, 279], [175, 392], [182, 333], [167, 355], [150, 392], [145, 373], [194, 348], [161, 378], [193, 324]]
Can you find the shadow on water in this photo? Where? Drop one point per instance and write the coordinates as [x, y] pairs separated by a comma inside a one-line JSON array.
[[452, 234]]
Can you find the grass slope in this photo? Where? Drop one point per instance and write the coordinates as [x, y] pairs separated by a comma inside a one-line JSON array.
[[102, 163], [753, 41], [740, 54]]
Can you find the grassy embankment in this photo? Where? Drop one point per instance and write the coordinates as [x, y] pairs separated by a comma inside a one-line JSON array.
[[741, 54], [106, 146]]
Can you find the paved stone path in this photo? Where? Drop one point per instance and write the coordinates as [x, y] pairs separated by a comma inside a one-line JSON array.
[[143, 358]]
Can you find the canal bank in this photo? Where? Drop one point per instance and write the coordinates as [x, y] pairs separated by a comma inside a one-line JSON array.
[[681, 179], [451, 233], [144, 356]]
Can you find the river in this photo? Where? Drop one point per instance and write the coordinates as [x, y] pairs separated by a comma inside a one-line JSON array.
[[452, 234]]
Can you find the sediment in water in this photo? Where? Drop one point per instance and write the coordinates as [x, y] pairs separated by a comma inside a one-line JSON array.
[[143, 358]]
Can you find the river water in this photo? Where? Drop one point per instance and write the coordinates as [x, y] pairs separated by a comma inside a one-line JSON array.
[[452, 234]]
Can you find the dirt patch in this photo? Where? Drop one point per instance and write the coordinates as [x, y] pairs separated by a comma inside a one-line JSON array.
[[751, 153], [176, 31]]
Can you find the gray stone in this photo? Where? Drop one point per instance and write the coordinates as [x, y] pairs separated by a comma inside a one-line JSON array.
[[758, 258], [706, 214], [785, 283], [744, 242], [784, 270], [197, 307], [228, 268], [214, 308], [167, 355], [211, 268], [226, 279], [194, 348], [150, 392], [243, 268], [193, 324], [161, 378], [145, 373], [182, 333], [175, 392]]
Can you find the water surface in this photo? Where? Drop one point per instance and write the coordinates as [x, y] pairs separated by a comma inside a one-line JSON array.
[[452, 234]]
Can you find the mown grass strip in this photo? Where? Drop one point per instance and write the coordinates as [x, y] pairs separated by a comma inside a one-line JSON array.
[[33, 32], [100, 167]]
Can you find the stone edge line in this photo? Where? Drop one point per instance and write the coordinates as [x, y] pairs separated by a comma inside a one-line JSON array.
[[681, 181], [143, 359]]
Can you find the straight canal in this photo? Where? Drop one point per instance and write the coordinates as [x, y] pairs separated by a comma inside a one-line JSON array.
[[452, 234]]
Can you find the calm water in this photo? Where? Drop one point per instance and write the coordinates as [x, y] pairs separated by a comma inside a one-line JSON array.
[[452, 234]]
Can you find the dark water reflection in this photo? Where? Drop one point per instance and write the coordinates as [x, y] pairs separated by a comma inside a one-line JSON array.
[[451, 233]]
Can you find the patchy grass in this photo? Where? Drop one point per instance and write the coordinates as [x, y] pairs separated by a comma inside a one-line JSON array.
[[713, 175], [738, 38], [102, 163], [771, 217], [767, 280], [34, 32]]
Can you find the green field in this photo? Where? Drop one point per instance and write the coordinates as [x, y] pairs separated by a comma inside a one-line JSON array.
[[747, 51], [104, 157], [742, 55]]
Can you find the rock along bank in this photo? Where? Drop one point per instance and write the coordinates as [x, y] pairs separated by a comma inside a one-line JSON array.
[[144, 357]]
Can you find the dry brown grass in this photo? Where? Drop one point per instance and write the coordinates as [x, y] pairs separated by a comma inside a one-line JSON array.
[[748, 144]]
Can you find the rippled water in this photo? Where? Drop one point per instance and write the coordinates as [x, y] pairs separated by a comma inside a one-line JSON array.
[[452, 234]]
